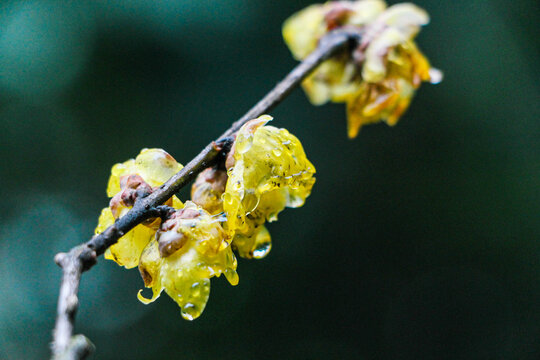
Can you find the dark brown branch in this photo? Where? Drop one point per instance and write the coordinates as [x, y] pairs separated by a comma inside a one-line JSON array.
[[83, 257]]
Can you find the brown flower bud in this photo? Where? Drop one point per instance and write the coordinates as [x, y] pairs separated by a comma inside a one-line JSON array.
[[133, 187], [208, 188], [170, 236]]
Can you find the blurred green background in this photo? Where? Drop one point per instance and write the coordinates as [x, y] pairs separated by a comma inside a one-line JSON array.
[[420, 241]]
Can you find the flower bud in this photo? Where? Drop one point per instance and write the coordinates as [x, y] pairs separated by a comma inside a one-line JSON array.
[[208, 188]]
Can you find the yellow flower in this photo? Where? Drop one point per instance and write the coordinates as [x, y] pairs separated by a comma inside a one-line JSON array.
[[189, 249], [268, 172], [377, 81], [151, 168]]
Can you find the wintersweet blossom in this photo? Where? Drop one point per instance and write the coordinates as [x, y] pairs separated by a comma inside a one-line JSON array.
[[378, 79], [267, 171], [190, 248], [128, 180]]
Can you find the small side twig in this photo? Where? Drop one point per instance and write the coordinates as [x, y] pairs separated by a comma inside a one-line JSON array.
[[83, 257]]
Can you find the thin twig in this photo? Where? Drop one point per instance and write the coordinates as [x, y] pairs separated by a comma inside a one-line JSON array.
[[83, 257]]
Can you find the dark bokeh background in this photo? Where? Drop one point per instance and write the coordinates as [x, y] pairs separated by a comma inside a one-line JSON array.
[[419, 242]]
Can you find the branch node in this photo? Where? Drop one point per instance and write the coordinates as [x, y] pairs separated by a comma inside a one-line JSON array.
[[163, 211], [88, 258], [60, 258], [72, 302], [223, 144], [79, 348]]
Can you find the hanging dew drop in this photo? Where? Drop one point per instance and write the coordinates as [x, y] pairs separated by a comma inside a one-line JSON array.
[[262, 250], [190, 311], [263, 243]]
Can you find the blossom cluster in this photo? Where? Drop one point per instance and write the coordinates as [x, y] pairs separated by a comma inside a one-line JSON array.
[[265, 171], [376, 80]]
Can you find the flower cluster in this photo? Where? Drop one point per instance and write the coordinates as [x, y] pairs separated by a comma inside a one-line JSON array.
[[265, 171], [378, 79], [129, 180]]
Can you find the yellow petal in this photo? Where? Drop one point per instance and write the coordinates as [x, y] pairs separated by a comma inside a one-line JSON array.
[[156, 166], [176, 203], [374, 69], [407, 18], [128, 249], [364, 12], [302, 30], [150, 267], [117, 171]]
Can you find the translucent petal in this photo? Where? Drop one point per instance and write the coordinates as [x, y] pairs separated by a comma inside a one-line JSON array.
[[127, 251], [117, 171], [156, 166], [185, 274], [333, 80], [150, 267]]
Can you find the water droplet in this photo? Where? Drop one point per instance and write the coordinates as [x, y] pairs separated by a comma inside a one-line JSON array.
[[294, 201], [435, 76], [190, 311], [195, 289], [263, 243], [262, 250], [243, 146]]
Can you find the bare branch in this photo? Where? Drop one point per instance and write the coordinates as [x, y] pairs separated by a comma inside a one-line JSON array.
[[83, 257]]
